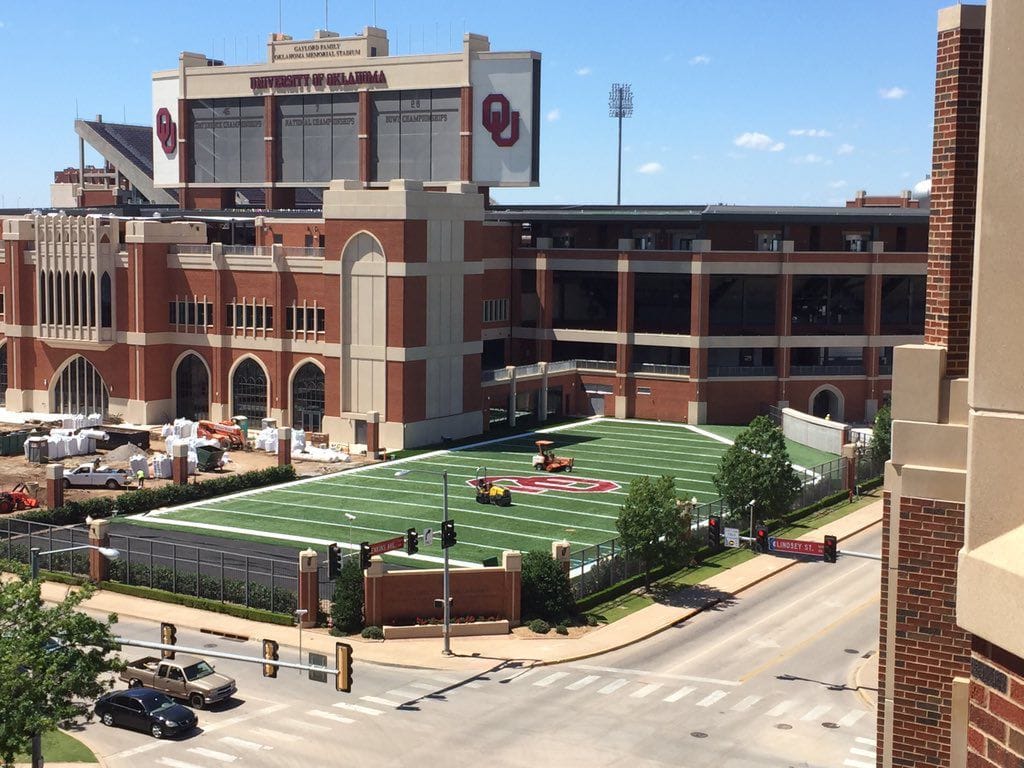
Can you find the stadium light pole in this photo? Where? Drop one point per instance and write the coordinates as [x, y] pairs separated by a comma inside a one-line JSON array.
[[34, 554], [447, 627], [620, 105]]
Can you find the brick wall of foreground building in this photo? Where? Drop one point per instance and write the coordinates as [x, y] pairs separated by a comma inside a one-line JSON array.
[[995, 736]]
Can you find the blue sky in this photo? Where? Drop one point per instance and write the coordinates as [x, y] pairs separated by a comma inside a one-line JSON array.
[[735, 101]]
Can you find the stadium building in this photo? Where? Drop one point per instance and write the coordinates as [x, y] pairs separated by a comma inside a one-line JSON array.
[[312, 239]]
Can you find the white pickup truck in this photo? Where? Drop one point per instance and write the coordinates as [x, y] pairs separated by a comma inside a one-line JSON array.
[[91, 476]]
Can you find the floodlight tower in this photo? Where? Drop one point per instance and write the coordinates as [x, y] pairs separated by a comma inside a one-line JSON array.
[[620, 105]]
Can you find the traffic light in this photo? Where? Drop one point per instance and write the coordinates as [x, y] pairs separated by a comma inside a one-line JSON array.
[[334, 561], [270, 654], [762, 539], [715, 532], [364, 555], [412, 541], [830, 549], [343, 661], [448, 535], [168, 636]]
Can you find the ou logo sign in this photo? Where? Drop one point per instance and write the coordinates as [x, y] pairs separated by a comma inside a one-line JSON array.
[[166, 131], [498, 117], [543, 483]]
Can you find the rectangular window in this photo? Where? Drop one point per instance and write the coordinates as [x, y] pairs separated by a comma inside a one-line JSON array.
[[239, 316], [201, 315], [181, 313], [289, 319], [190, 307], [321, 320], [172, 317], [248, 316], [229, 315], [768, 241], [310, 319], [259, 316], [269, 319], [643, 390]]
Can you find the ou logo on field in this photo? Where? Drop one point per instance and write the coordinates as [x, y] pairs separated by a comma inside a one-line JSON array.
[[498, 116], [543, 483]]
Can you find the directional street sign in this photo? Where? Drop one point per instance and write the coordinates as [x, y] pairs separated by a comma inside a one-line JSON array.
[[428, 536], [380, 547], [796, 546]]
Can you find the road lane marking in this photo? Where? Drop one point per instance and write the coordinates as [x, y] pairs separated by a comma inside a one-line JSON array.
[[711, 698], [379, 700], [861, 752], [646, 673], [303, 724], [213, 754], [555, 676], [746, 704], [686, 690], [817, 712], [779, 708], [360, 709], [403, 694], [582, 682], [243, 744], [520, 675], [866, 740], [330, 716], [270, 733], [850, 718], [613, 686], [170, 761], [857, 763], [647, 690]]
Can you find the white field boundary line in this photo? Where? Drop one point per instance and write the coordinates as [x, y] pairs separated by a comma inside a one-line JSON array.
[[583, 456]]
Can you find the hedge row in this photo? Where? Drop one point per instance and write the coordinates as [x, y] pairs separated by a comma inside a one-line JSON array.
[[171, 495], [202, 603]]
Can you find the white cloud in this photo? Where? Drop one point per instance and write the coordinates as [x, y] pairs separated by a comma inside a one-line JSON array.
[[892, 93], [583, 71], [808, 158], [700, 59], [817, 133], [650, 168], [844, 149], [554, 114], [1, 25], [837, 184], [755, 140]]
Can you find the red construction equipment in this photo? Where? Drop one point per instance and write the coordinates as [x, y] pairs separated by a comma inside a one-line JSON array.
[[16, 499], [228, 435], [545, 458]]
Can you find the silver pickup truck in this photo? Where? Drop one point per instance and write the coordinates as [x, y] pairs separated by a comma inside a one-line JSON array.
[[188, 678]]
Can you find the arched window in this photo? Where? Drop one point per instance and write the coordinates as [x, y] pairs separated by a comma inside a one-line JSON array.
[[249, 391], [106, 310], [74, 300], [192, 389], [79, 388], [42, 297], [58, 304], [67, 298], [50, 316], [308, 398], [92, 298]]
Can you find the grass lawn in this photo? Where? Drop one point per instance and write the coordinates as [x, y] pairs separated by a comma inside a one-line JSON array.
[[59, 747], [799, 454]]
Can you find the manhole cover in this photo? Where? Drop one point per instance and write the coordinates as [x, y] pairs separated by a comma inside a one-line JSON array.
[[829, 725], [698, 734], [784, 727], [851, 650]]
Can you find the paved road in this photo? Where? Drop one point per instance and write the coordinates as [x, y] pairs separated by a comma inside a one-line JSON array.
[[764, 681]]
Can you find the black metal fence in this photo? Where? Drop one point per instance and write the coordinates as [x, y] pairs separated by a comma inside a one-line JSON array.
[[223, 575]]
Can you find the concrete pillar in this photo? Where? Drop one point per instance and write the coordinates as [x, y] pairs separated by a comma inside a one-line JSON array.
[[849, 452], [309, 587], [99, 536], [179, 463], [54, 485], [542, 396], [511, 394], [372, 434], [373, 593], [560, 554], [284, 446], [512, 562]]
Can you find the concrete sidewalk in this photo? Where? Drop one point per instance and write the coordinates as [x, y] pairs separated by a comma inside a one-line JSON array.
[[473, 654]]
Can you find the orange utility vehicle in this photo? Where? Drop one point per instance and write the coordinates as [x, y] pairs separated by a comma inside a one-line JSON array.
[[228, 435], [545, 458]]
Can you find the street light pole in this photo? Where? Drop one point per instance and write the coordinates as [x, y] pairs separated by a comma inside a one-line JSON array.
[[447, 588], [299, 613]]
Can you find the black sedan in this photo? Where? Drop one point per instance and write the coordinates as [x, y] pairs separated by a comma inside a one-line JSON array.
[[145, 710]]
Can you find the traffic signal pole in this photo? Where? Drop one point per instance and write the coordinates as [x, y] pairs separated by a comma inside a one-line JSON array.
[[447, 650]]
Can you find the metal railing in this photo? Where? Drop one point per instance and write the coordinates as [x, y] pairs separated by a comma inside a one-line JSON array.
[[664, 370], [248, 250], [191, 249], [595, 365], [721, 371], [827, 370], [296, 250]]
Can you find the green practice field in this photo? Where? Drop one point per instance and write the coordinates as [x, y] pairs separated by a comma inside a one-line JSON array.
[[580, 506]]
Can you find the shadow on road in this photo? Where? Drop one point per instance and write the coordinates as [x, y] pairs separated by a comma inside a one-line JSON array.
[[824, 684]]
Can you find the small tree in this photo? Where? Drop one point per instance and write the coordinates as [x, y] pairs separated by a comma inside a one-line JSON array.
[[881, 436], [649, 522], [51, 659], [347, 601], [757, 468], [546, 592]]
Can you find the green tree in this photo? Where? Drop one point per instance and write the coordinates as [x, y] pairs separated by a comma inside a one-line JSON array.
[[546, 592], [649, 522], [757, 468], [347, 603], [881, 436], [51, 659]]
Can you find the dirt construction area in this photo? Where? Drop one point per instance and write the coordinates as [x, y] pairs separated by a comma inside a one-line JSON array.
[[17, 469]]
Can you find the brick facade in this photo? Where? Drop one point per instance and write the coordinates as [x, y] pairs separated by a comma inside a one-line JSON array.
[[995, 736], [930, 649]]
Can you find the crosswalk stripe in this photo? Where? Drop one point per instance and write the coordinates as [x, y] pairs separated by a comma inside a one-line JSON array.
[[474, 684], [270, 733], [422, 686], [779, 708], [554, 676], [224, 757], [377, 700], [170, 761], [817, 712], [330, 716], [861, 752], [711, 698], [686, 690], [857, 763], [647, 690], [583, 682], [306, 725], [613, 686], [405, 695], [242, 743], [521, 675], [746, 704], [357, 708], [850, 718], [866, 740]]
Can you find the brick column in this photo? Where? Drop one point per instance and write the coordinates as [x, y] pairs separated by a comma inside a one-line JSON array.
[[511, 394], [373, 593], [849, 452], [954, 183], [784, 327], [284, 446], [546, 297], [466, 134], [54, 485], [184, 153], [542, 395], [512, 562], [179, 463], [309, 587], [99, 536], [364, 136], [372, 434], [560, 554]]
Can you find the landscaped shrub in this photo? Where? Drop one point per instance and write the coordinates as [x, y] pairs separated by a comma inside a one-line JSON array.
[[347, 601], [561, 629], [373, 633], [546, 593], [539, 626]]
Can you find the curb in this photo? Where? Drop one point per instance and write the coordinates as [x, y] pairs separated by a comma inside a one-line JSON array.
[[867, 694]]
